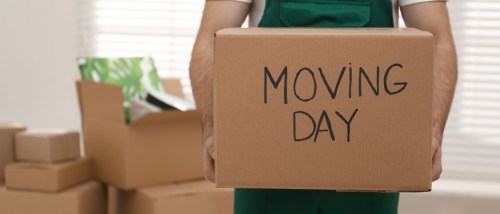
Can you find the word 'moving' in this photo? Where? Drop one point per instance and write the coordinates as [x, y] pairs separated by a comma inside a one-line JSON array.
[[323, 123]]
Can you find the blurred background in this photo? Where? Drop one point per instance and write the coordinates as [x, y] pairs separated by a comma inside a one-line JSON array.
[[40, 41]]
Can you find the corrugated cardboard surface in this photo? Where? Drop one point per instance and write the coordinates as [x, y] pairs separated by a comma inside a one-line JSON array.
[[7, 152], [174, 87], [113, 200], [388, 145], [156, 149], [47, 146], [47, 177], [86, 198], [186, 198]]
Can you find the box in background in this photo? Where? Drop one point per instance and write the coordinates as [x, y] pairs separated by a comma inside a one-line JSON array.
[[47, 177], [7, 151], [113, 200], [173, 87], [342, 109], [158, 148], [86, 198], [184, 198], [47, 145]]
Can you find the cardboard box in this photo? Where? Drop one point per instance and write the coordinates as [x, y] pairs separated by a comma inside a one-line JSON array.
[[155, 149], [86, 198], [113, 200], [173, 87], [47, 177], [187, 198], [47, 145], [341, 109], [7, 152]]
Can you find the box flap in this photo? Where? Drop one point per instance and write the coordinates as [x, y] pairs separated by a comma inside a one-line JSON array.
[[168, 115], [100, 101], [321, 32], [174, 87]]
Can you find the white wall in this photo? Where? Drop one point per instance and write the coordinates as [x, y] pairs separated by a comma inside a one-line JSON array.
[[38, 48], [453, 197]]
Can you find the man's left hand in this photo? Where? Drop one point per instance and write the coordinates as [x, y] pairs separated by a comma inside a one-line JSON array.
[[437, 167]]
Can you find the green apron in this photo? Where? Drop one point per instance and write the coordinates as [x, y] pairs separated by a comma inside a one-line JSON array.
[[320, 13], [327, 13]]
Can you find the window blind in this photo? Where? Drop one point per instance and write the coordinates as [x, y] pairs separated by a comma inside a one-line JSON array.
[[472, 139], [163, 29], [166, 29]]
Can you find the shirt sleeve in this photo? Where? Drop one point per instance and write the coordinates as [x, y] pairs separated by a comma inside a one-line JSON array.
[[245, 1], [409, 2]]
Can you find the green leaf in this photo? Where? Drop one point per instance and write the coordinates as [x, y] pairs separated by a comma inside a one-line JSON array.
[[155, 80]]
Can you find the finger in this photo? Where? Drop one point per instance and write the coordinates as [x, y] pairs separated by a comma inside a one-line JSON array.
[[209, 167], [437, 168], [210, 147]]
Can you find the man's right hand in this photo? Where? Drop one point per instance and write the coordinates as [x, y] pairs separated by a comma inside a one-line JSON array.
[[209, 158], [216, 15]]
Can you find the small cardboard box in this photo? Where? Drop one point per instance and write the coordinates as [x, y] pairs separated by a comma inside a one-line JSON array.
[[86, 198], [7, 152], [186, 198], [47, 177], [341, 109], [155, 149], [47, 145]]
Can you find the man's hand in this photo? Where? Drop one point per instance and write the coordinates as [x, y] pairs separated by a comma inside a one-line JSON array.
[[209, 158], [433, 17], [437, 167], [216, 15]]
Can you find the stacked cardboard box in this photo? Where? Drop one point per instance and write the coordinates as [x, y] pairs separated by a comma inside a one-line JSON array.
[[50, 176], [183, 198], [158, 148], [7, 153], [153, 164], [86, 198], [47, 146]]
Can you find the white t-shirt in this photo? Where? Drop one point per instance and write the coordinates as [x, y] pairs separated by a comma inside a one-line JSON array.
[[258, 6]]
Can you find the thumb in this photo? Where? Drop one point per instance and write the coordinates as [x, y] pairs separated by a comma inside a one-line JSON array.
[[210, 144], [437, 167]]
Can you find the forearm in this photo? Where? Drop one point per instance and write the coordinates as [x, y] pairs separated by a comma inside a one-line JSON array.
[[201, 71], [216, 15], [433, 17], [445, 79]]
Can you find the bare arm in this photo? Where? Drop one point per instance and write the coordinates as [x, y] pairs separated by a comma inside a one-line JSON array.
[[216, 15], [433, 17]]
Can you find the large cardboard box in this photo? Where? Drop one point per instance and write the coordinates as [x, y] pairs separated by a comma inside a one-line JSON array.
[[47, 177], [186, 198], [47, 145], [155, 149], [342, 109], [86, 198], [7, 152]]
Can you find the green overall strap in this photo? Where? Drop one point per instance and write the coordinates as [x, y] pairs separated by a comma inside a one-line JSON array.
[[327, 13]]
